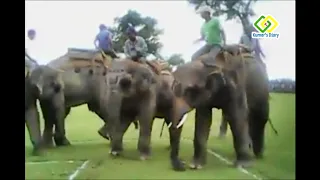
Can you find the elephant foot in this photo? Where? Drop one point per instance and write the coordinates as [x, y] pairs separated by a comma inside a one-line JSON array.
[[144, 156], [36, 152], [115, 153], [178, 165], [259, 155], [47, 143], [196, 165], [222, 135], [242, 163], [61, 141], [103, 134]]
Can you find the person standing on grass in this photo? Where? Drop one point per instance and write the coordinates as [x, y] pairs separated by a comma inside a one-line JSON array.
[[135, 46], [211, 32], [103, 41]]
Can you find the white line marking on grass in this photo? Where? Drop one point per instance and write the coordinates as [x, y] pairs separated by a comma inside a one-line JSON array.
[[225, 160], [74, 174], [221, 158], [47, 162]]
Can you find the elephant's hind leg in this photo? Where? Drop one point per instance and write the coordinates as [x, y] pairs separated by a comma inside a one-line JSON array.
[[258, 118]]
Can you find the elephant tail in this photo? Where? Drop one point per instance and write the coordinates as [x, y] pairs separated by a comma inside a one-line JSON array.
[[164, 122], [272, 126]]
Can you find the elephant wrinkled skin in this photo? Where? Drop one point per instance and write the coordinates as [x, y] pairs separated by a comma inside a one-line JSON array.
[[63, 84], [235, 83], [144, 93]]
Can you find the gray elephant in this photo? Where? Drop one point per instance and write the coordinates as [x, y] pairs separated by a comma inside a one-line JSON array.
[[143, 92], [234, 82], [30, 108], [69, 82]]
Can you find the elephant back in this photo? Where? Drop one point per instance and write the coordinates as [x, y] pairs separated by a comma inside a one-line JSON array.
[[80, 58]]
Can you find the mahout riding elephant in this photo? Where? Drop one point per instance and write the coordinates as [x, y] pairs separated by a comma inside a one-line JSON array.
[[66, 82], [142, 92], [234, 82], [30, 108]]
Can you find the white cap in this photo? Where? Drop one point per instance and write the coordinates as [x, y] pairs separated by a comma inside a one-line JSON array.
[[202, 9]]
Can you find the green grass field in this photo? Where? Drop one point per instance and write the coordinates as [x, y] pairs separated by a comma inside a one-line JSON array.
[[82, 126]]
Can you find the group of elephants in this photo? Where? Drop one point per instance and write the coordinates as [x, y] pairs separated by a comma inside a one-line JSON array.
[[122, 92]]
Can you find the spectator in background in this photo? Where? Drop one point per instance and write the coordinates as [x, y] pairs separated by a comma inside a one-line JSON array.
[[135, 46], [29, 45], [103, 41], [252, 43]]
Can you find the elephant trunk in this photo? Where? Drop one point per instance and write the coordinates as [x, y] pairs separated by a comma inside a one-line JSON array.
[[125, 83]]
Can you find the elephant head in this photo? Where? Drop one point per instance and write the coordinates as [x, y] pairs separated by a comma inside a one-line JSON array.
[[196, 83], [46, 80], [137, 79]]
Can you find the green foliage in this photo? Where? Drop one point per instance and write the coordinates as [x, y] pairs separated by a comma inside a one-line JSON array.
[[175, 59], [241, 9], [149, 31]]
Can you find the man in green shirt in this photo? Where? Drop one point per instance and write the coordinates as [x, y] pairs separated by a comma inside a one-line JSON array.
[[212, 32]]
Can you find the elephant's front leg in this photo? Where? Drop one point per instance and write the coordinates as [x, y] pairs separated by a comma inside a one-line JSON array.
[[117, 138], [175, 137], [60, 114], [145, 118], [33, 125], [203, 122], [48, 117], [238, 121]]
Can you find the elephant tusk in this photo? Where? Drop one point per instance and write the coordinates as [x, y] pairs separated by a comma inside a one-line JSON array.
[[170, 124], [184, 118]]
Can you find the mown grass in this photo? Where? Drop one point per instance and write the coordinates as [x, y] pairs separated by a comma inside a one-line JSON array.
[[82, 126]]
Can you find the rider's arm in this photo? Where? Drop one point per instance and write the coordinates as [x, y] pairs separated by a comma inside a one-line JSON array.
[[95, 41], [142, 46]]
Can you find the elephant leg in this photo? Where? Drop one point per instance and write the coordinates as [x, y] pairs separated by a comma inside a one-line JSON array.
[[238, 121], [175, 137], [60, 113], [146, 122], [47, 140], [33, 125], [117, 138], [104, 132], [223, 126], [203, 122], [258, 119]]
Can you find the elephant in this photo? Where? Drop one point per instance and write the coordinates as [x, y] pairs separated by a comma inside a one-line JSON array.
[[234, 82], [69, 82], [30, 108], [143, 92]]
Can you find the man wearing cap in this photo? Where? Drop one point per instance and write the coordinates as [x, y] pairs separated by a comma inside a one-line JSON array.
[[212, 32], [135, 47], [103, 41]]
